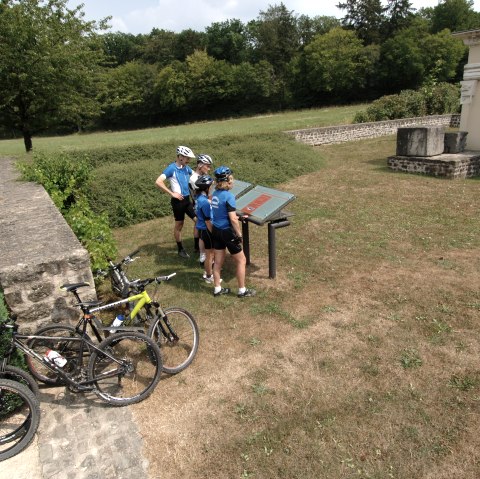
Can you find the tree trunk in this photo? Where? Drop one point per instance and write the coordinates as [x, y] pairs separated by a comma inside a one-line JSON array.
[[27, 140]]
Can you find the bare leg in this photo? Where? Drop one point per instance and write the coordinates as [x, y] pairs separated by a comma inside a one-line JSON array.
[[177, 231], [240, 262], [208, 261], [219, 255]]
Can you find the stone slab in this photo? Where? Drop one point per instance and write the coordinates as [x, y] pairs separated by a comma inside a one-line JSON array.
[[420, 141], [455, 142]]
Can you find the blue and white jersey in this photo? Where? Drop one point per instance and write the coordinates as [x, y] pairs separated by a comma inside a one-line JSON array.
[[203, 211], [223, 202], [178, 177]]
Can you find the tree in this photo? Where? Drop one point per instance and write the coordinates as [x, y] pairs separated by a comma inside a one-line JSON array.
[[49, 56], [275, 36], [126, 95], [187, 41], [227, 41], [308, 27], [366, 17], [456, 15], [121, 48], [414, 56], [338, 64], [159, 47], [399, 14]]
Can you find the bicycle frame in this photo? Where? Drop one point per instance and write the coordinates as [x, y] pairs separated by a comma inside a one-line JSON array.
[[141, 300], [80, 385]]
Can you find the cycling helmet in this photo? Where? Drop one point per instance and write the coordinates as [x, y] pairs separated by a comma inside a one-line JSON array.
[[185, 151], [205, 159], [204, 182], [222, 173]]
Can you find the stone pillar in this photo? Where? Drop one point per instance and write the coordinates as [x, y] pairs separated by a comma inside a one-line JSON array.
[[470, 99]]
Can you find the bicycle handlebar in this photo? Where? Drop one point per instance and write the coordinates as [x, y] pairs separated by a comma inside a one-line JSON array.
[[141, 283], [128, 259]]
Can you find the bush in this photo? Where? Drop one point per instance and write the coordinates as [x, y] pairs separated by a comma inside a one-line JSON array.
[[126, 191], [17, 358], [439, 99], [65, 179]]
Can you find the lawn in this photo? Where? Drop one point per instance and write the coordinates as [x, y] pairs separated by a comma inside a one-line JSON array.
[[360, 360]]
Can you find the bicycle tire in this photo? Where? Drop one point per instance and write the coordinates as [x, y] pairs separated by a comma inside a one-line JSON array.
[[17, 374], [19, 417], [68, 349], [177, 353], [138, 375]]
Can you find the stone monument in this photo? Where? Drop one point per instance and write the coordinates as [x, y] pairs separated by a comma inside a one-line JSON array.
[[470, 95]]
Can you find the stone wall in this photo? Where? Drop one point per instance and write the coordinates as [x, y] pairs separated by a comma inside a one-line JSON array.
[[38, 253], [340, 134], [459, 165]]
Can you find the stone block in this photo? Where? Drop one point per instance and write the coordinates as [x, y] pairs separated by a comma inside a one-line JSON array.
[[420, 141], [455, 142]]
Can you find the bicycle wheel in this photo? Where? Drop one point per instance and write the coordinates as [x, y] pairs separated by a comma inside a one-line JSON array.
[[177, 337], [17, 374], [134, 373], [19, 417], [70, 350]]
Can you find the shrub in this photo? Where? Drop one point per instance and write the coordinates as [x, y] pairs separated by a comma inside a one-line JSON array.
[[64, 180], [439, 99], [17, 358], [125, 189]]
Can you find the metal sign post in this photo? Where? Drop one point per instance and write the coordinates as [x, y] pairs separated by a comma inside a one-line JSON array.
[[260, 205]]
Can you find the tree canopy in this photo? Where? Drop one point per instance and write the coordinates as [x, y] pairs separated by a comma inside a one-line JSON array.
[[47, 64], [59, 73]]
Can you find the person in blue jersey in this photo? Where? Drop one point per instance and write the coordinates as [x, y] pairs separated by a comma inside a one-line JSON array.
[[178, 173], [227, 233], [204, 163], [203, 210]]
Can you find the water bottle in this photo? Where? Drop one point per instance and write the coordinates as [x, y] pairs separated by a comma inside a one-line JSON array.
[[55, 357], [117, 322]]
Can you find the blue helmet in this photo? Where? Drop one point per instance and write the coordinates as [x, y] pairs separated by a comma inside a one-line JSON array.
[[222, 173]]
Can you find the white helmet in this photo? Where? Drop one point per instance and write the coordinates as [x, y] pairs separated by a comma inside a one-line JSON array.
[[205, 159], [185, 151]]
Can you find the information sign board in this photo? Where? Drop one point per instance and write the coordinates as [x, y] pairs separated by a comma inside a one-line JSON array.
[[240, 188], [262, 204]]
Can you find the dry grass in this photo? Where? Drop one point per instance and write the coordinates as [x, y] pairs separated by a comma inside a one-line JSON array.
[[359, 361]]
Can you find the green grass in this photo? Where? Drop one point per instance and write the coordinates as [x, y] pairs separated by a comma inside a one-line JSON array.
[[360, 360], [186, 134]]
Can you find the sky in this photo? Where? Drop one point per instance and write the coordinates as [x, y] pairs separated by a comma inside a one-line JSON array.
[[140, 16]]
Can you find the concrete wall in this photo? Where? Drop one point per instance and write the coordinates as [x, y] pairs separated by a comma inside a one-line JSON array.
[[38, 253], [339, 134]]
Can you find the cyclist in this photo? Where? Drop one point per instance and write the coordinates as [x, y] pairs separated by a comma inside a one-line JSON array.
[[203, 211], [204, 163], [227, 233], [178, 173]]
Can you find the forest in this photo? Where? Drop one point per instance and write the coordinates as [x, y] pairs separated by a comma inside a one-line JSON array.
[[61, 74]]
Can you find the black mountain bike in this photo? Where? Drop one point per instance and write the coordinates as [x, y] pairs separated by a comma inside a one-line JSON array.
[[122, 369], [19, 417]]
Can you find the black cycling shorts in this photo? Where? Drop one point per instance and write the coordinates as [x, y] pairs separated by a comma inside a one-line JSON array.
[[226, 239], [181, 208], [207, 238]]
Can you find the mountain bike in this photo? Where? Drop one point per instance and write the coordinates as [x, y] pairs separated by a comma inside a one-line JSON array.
[[19, 417], [173, 328], [122, 369]]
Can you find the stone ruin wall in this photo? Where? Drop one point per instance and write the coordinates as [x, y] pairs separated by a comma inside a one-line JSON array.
[[340, 134], [38, 253]]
